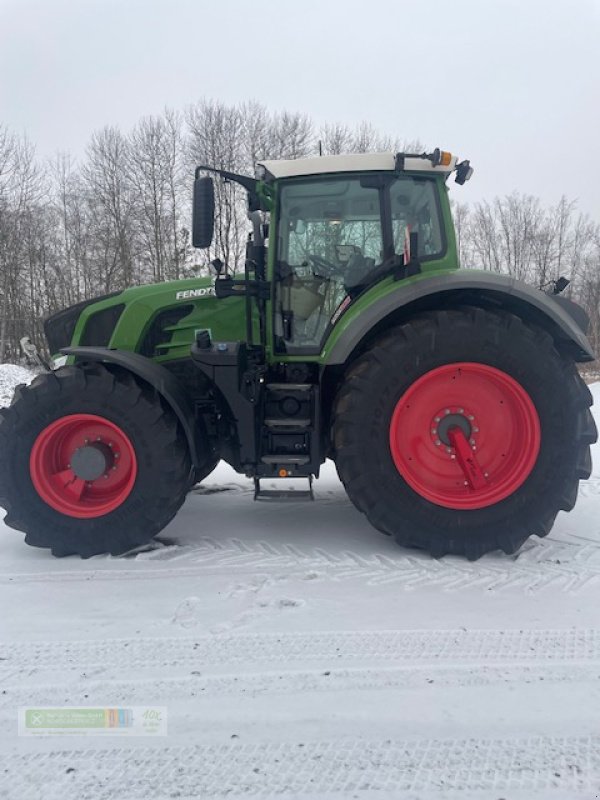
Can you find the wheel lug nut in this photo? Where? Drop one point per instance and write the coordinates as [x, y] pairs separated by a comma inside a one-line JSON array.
[[453, 457], [472, 441], [475, 430], [447, 411], [434, 430], [448, 449], [437, 442], [471, 417], [437, 419], [460, 410]]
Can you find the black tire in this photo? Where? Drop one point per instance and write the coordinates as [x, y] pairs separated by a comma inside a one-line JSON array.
[[378, 379], [163, 462]]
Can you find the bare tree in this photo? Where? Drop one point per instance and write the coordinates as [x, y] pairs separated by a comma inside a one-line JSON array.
[[110, 200], [154, 169], [291, 136], [257, 139], [216, 132], [335, 139], [461, 215], [22, 189]]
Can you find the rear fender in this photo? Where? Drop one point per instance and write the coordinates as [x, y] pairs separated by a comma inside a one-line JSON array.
[[563, 319], [165, 383]]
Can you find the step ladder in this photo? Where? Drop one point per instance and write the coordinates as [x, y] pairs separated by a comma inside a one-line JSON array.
[[283, 494], [288, 434]]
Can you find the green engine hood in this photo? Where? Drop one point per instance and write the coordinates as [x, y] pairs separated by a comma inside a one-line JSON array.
[[157, 320]]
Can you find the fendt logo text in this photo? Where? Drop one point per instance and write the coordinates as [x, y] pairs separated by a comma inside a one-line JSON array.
[[187, 293]]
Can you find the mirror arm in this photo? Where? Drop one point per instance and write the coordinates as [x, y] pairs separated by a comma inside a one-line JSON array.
[[250, 184]]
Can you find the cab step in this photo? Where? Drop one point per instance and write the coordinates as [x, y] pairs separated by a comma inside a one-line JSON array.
[[283, 494], [289, 387], [287, 422], [285, 460]]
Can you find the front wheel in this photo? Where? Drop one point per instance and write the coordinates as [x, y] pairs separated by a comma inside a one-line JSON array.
[[463, 431], [91, 461]]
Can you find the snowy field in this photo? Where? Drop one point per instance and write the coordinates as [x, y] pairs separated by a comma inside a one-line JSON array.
[[301, 654], [10, 376]]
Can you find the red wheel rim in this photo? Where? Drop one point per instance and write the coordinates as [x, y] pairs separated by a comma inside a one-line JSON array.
[[465, 435], [83, 466]]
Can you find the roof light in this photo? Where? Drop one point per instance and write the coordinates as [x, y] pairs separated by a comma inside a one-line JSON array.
[[464, 170], [439, 158]]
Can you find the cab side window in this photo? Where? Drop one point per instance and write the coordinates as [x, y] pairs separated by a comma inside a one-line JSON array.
[[414, 210]]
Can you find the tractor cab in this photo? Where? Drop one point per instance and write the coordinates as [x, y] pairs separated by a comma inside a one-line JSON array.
[[337, 225], [338, 235]]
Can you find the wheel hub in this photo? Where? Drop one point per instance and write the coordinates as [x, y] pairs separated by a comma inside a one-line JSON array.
[[91, 461], [449, 418]]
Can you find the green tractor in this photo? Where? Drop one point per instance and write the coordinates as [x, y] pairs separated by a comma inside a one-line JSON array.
[[448, 399]]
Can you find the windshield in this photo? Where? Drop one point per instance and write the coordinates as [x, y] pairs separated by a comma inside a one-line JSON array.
[[330, 221], [334, 234]]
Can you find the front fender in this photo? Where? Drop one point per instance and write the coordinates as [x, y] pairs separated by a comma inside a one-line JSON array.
[[165, 383], [563, 319]]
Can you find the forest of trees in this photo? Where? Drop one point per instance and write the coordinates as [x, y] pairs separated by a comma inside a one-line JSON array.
[[120, 216]]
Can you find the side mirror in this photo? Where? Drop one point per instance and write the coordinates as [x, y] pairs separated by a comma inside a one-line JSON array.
[[216, 266], [203, 212], [560, 285]]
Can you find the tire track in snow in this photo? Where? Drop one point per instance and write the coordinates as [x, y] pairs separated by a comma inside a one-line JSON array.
[[409, 647], [138, 690], [564, 566], [348, 768]]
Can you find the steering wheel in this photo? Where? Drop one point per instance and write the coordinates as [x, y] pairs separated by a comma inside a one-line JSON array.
[[324, 268]]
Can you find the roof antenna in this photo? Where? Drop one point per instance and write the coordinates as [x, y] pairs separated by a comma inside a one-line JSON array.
[[320, 148]]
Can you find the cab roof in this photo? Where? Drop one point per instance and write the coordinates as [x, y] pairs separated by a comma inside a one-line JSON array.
[[436, 162]]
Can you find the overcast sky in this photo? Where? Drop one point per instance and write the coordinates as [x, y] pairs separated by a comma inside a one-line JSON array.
[[514, 86]]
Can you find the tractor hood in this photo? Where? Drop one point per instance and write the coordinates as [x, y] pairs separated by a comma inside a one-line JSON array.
[[158, 321]]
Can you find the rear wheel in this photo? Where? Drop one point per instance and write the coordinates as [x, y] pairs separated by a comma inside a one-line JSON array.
[[91, 462], [463, 432]]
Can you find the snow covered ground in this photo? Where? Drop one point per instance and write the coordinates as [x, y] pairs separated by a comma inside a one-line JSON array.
[[301, 654], [10, 376]]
